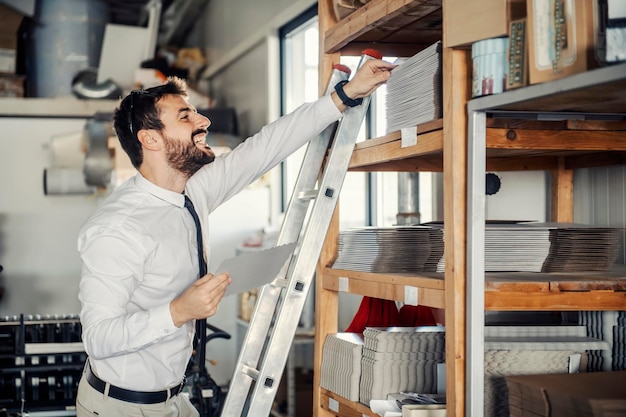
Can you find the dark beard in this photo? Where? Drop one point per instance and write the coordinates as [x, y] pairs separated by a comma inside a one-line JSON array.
[[186, 157]]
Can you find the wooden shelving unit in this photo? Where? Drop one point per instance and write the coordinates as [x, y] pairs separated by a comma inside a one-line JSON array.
[[509, 139]]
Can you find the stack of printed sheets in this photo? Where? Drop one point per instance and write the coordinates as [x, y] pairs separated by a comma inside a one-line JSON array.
[[390, 249], [382, 361], [414, 90]]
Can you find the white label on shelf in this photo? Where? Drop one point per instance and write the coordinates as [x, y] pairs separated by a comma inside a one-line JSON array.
[[574, 363], [333, 405], [410, 295], [344, 283], [409, 136]]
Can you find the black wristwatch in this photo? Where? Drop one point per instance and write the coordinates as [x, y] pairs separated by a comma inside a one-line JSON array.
[[350, 102]]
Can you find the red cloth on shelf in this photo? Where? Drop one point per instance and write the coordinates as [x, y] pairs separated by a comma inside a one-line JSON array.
[[376, 312], [412, 316]]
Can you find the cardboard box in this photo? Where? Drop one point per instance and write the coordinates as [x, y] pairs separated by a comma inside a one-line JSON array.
[[561, 38], [10, 21], [573, 395], [468, 21]]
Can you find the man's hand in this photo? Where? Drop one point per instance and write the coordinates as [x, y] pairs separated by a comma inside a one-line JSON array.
[[200, 300], [372, 74], [368, 78]]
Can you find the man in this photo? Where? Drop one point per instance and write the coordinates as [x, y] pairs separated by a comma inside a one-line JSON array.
[[139, 288]]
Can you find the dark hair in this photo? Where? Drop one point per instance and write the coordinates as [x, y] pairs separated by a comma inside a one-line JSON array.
[[138, 110]]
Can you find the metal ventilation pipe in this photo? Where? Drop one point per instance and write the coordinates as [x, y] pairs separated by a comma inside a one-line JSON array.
[[408, 198]]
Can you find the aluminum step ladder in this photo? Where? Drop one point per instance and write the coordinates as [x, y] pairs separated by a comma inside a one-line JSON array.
[[279, 306]]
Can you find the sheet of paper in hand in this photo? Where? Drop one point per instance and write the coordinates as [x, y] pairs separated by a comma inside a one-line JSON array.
[[255, 269]]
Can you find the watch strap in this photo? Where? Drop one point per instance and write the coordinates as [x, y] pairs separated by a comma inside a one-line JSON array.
[[350, 102]]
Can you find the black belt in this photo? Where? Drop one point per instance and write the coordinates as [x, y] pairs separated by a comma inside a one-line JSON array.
[[137, 397]]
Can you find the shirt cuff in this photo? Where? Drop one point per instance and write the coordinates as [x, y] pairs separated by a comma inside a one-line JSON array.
[[161, 320], [330, 106]]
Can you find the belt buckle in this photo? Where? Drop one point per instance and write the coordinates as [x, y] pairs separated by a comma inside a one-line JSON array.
[[180, 386]]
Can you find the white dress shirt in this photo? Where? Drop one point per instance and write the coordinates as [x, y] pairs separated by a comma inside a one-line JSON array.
[[139, 252]]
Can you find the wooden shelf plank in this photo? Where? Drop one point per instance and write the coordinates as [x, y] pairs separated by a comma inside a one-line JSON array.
[[388, 21], [595, 290], [387, 153], [551, 301], [338, 406], [431, 280], [555, 140], [508, 149], [387, 286]]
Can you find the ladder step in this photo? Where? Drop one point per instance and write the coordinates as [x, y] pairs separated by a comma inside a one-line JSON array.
[[307, 195], [280, 283], [251, 372]]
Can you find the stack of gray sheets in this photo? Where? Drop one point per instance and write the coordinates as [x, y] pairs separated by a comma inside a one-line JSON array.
[[382, 361], [414, 90], [390, 249]]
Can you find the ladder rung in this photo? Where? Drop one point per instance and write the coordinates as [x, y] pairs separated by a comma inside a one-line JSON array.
[[307, 195], [280, 283], [251, 372]]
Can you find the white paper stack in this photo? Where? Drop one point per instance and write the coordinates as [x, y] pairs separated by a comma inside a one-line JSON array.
[[341, 364], [400, 359], [516, 247], [414, 90], [390, 249], [548, 247], [579, 247]]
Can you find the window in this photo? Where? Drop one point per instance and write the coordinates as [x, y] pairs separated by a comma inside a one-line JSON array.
[[299, 70], [366, 198]]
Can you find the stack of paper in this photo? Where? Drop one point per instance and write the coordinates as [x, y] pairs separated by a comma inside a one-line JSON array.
[[548, 247], [400, 359], [414, 90], [576, 247], [390, 249], [341, 364], [516, 247]]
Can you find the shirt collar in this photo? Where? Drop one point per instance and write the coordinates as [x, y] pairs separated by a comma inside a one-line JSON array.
[[171, 197]]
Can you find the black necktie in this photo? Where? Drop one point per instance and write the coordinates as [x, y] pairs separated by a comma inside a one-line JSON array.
[[201, 261], [201, 339]]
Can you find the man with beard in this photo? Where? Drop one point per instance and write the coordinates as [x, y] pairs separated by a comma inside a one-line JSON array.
[[140, 288]]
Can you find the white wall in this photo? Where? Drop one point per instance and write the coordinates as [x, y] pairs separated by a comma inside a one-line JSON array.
[[523, 195], [37, 232]]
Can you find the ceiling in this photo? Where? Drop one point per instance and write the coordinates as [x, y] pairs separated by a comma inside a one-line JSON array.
[[131, 12], [177, 17]]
